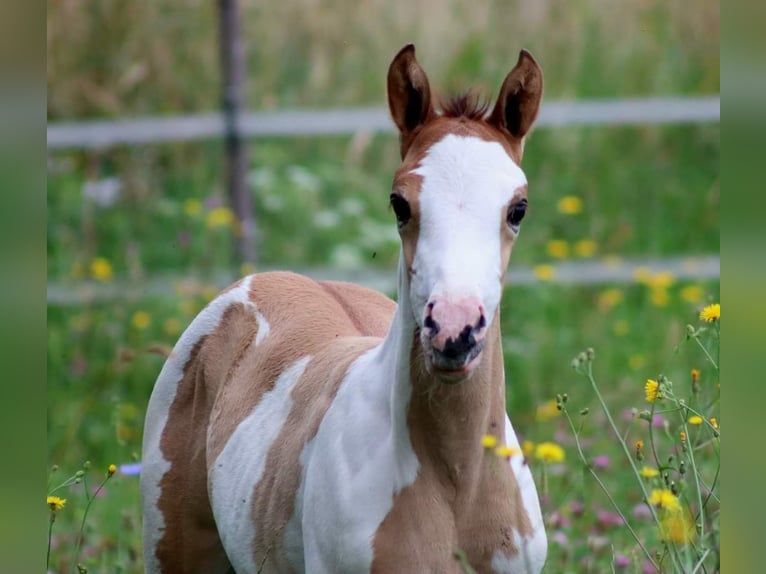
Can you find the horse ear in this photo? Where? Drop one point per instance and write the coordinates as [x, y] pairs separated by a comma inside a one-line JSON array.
[[519, 99], [409, 95]]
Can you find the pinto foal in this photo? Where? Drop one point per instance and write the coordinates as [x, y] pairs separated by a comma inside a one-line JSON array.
[[315, 426]]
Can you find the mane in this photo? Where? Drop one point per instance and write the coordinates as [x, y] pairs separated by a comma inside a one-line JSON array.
[[467, 105]]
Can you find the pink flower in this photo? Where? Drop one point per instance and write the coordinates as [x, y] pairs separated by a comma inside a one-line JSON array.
[[601, 461], [641, 512], [621, 561], [560, 538], [607, 519], [577, 508]]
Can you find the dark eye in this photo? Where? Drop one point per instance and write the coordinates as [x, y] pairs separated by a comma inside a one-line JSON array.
[[401, 209], [516, 213]]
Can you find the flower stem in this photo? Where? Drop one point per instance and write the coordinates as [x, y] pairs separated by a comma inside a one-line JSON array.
[[50, 535]]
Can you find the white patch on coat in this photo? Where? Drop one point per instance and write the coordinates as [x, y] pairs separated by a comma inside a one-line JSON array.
[[466, 188], [241, 464], [155, 465], [263, 329]]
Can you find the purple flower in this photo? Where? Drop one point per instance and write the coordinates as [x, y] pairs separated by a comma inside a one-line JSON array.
[[130, 469], [641, 512], [560, 538], [649, 569], [577, 508], [658, 421], [557, 520], [606, 518], [601, 461], [621, 561]]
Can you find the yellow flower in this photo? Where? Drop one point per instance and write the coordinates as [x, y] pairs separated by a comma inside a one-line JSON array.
[[557, 248], [609, 298], [695, 373], [677, 527], [714, 423], [489, 441], [658, 296], [665, 499], [621, 328], [569, 205], [101, 269], [639, 444], [549, 452], [652, 390], [682, 435], [711, 313], [220, 217], [527, 447], [649, 472], [642, 275], [111, 470], [192, 207], [585, 248], [692, 293], [695, 420], [544, 272], [506, 451], [547, 411], [661, 280], [141, 320], [55, 503]]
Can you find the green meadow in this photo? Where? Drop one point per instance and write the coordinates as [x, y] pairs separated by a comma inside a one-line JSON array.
[[595, 193]]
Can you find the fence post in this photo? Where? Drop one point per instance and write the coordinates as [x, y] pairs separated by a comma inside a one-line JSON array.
[[233, 82]]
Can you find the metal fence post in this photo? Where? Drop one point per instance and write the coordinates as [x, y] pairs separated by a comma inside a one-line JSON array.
[[233, 81]]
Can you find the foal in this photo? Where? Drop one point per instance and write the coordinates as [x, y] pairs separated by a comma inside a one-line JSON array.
[[315, 426]]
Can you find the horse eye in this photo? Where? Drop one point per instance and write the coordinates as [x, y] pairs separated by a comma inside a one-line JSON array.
[[516, 213], [401, 209]]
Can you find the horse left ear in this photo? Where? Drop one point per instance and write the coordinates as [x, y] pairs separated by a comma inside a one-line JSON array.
[[519, 100]]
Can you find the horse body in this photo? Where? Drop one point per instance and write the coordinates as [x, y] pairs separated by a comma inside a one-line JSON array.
[[319, 427]]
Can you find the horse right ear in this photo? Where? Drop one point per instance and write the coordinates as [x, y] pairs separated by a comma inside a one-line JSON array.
[[409, 95]]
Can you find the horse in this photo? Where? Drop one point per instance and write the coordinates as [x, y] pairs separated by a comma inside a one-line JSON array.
[[317, 426]]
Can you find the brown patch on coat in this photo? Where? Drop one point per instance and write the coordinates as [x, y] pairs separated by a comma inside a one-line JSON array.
[[462, 498], [190, 541]]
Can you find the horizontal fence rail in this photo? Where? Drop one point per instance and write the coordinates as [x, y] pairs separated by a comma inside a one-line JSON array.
[[707, 267], [98, 134]]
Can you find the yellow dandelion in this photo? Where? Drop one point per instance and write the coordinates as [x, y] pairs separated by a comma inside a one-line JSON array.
[[557, 248], [649, 472], [609, 298], [549, 452], [544, 272], [665, 499], [141, 320], [192, 207], [489, 441], [661, 280], [505, 451], [55, 503], [585, 248], [711, 313], [692, 293], [111, 469], [220, 217], [652, 390], [658, 296], [527, 447], [547, 411], [695, 420], [678, 527], [101, 269], [569, 205], [621, 328]]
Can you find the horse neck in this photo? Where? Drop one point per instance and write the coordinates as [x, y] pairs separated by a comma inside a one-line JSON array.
[[443, 423]]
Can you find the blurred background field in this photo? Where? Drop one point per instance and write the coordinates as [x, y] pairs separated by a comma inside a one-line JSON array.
[[133, 213]]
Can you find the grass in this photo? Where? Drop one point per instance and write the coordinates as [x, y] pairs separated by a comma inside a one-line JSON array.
[[645, 191]]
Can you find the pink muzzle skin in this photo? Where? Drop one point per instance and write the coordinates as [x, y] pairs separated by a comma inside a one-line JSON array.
[[453, 334]]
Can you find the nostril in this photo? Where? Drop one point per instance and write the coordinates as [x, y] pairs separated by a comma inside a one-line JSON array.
[[481, 323], [429, 323]]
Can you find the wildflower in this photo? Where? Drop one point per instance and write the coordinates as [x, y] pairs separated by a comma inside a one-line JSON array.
[[621, 561], [557, 248], [711, 313], [639, 444], [527, 447], [219, 217], [682, 435], [601, 461], [569, 205], [606, 518], [610, 298], [141, 320], [192, 207], [692, 293], [505, 451], [642, 275], [649, 472], [101, 269], [661, 280], [585, 248], [549, 452], [677, 527], [111, 470], [547, 411], [665, 499], [55, 503], [695, 380], [639, 452], [489, 441], [652, 390], [659, 297], [714, 423], [695, 420], [544, 272]]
